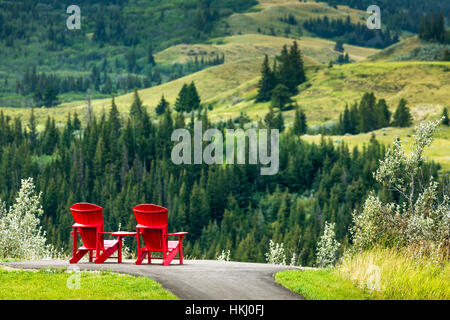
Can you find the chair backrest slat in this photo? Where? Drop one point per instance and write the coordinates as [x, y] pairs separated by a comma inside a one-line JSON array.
[[150, 215], [88, 214]]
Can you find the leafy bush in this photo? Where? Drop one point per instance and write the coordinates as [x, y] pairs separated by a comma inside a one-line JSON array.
[[21, 236], [276, 254], [224, 256], [327, 247], [421, 218]]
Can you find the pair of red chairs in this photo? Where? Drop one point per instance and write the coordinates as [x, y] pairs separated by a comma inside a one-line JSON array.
[[152, 226]]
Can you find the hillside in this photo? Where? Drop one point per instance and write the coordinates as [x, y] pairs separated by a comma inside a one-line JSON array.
[[219, 85], [230, 88], [265, 17]]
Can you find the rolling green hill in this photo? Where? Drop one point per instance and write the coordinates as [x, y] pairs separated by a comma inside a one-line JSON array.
[[231, 87]]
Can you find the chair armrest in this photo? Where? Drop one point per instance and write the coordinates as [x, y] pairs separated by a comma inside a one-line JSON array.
[[177, 234], [79, 225]]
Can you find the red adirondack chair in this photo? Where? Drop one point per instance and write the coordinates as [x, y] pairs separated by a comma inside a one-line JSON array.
[[89, 224], [153, 226]]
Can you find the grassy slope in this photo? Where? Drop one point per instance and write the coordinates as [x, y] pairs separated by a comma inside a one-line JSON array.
[[397, 275], [220, 84], [52, 285], [267, 14], [321, 285], [398, 49]]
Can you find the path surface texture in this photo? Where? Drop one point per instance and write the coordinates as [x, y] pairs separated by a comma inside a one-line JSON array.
[[195, 279]]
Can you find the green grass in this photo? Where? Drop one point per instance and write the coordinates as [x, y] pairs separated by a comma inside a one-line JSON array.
[[52, 285], [321, 285], [398, 275]]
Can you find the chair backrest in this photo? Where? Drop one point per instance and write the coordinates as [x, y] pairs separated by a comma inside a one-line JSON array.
[[150, 215], [92, 215]]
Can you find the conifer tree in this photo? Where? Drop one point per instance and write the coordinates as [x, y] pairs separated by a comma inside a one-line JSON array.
[[136, 108], [300, 127], [402, 115], [366, 113], [182, 102], [267, 82], [280, 96], [382, 114], [162, 106], [269, 119], [114, 120], [194, 98]]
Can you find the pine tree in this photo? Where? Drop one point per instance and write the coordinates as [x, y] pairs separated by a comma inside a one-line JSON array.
[[269, 119], [280, 96], [162, 106], [402, 116], [33, 134], [382, 114], [279, 122], [296, 65], [182, 102], [114, 120], [300, 127], [194, 98], [136, 109], [366, 113], [267, 82]]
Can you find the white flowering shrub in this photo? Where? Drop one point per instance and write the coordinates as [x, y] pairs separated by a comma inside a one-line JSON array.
[[21, 236], [276, 254], [327, 247], [293, 260], [224, 256], [422, 219]]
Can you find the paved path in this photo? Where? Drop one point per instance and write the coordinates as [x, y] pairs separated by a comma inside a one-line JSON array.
[[196, 279]]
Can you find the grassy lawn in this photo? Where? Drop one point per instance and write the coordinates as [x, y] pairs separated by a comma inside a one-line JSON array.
[[51, 284], [321, 285]]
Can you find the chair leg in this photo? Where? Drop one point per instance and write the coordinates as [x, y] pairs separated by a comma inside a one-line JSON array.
[[90, 255], [107, 253], [141, 256], [181, 252], [78, 255], [168, 259]]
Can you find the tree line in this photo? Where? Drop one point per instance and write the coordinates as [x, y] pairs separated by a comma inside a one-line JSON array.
[[432, 28], [370, 115], [352, 33]]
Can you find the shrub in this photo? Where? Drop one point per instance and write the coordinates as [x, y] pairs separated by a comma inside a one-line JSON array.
[[276, 254], [421, 218], [21, 236], [327, 247], [224, 256]]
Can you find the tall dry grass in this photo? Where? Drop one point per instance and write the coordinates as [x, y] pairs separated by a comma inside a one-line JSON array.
[[396, 274]]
